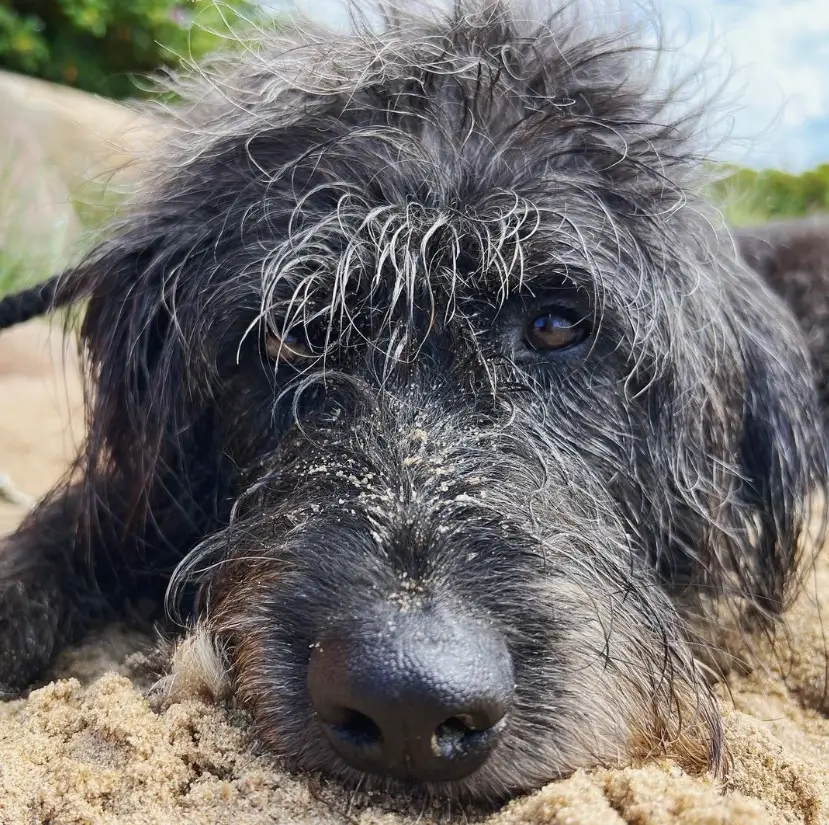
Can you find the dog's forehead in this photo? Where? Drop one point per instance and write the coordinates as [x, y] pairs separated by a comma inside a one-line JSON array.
[[498, 154], [478, 134], [469, 156], [464, 207], [373, 257], [392, 238]]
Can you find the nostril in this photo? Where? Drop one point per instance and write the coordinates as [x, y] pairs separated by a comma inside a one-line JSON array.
[[356, 729], [460, 736], [457, 725]]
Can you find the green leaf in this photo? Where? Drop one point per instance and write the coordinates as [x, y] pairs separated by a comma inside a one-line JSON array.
[[102, 45]]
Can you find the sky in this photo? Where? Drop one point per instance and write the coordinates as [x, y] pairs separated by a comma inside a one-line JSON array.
[[774, 55]]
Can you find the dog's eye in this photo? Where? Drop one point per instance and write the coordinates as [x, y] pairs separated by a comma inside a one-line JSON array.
[[288, 348], [556, 329]]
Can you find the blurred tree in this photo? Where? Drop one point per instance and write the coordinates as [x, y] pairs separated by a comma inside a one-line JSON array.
[[751, 196], [100, 45]]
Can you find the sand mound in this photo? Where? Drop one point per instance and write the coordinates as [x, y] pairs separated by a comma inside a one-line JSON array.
[[95, 747]]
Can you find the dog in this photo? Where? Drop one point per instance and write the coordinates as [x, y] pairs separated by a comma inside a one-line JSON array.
[[420, 375]]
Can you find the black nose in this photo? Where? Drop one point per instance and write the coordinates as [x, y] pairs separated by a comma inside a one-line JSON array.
[[419, 695]]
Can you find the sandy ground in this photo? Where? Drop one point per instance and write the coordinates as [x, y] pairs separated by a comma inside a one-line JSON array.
[[96, 746], [41, 417]]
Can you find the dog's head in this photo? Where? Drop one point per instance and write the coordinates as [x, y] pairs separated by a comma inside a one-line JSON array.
[[509, 412]]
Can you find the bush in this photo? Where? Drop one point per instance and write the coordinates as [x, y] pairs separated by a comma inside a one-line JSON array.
[[752, 196], [100, 45]]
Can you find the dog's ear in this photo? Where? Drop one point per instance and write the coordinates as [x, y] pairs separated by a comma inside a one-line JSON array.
[[750, 468], [737, 435], [126, 339], [149, 370], [782, 456]]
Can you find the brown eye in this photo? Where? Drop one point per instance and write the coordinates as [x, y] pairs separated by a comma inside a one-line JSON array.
[[555, 330], [287, 348]]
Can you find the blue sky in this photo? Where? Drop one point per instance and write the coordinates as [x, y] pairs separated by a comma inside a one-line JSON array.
[[775, 54]]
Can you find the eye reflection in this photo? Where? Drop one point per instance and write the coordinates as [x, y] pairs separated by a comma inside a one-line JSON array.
[[288, 348], [555, 330]]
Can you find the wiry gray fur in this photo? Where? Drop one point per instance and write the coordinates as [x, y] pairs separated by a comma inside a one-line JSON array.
[[410, 197]]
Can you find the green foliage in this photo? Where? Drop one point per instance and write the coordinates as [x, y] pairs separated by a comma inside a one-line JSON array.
[[751, 196], [100, 45]]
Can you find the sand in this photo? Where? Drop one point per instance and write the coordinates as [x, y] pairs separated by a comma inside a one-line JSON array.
[[97, 746]]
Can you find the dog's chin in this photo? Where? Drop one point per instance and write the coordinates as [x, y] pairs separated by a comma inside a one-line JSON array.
[[512, 770], [539, 745], [348, 786]]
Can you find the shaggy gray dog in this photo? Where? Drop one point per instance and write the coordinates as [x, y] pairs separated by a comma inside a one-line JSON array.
[[419, 374]]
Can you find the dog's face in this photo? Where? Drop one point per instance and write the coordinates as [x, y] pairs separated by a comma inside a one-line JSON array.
[[509, 414]]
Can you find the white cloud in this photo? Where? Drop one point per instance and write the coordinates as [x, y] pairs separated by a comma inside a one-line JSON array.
[[778, 51]]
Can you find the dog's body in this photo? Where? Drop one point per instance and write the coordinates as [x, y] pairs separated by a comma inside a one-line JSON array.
[[421, 357], [793, 257]]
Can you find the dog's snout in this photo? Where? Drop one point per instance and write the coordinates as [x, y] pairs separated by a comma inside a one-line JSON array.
[[420, 696]]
